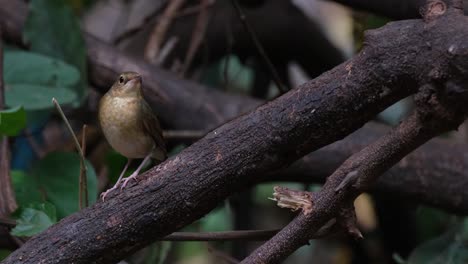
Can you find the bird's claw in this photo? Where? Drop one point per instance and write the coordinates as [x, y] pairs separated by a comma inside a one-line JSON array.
[[104, 194], [126, 180]]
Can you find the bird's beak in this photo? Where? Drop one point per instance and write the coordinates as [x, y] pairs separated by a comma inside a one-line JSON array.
[[135, 79]]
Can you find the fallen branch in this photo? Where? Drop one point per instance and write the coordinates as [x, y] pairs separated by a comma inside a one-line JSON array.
[[440, 108], [335, 198]]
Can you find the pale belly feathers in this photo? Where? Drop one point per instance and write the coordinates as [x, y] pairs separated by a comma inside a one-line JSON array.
[[122, 127]]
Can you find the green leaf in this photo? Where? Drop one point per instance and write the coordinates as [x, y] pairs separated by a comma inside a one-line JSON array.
[[450, 248], [22, 67], [57, 175], [12, 121], [34, 219], [26, 189], [36, 97], [33, 79], [53, 29]]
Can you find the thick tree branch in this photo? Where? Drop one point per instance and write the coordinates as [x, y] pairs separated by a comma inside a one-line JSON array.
[[366, 165], [440, 108]]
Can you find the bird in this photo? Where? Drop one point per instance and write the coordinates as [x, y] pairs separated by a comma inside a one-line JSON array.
[[130, 126]]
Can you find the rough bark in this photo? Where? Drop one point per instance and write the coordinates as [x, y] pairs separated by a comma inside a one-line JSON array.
[[396, 60], [335, 199], [440, 108]]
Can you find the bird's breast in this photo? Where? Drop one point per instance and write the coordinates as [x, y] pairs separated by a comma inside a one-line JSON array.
[[121, 123]]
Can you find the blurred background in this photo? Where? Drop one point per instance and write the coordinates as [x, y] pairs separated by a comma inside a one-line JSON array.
[[253, 50]]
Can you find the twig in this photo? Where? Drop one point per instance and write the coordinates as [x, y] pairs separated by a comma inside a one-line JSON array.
[[83, 168], [8, 222], [183, 134], [259, 47], [185, 12], [7, 194], [34, 145], [160, 29], [197, 36], [166, 50], [243, 235], [83, 192], [195, 9], [2, 86]]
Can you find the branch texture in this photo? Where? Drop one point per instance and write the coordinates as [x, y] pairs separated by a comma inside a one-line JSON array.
[[339, 191], [440, 108]]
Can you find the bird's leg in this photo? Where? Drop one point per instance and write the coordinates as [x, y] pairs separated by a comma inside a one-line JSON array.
[[103, 195], [136, 172]]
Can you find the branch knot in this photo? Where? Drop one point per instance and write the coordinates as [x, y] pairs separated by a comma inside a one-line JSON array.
[[433, 9]]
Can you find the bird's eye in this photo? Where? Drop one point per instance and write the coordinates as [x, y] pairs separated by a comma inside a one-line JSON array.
[[121, 79]]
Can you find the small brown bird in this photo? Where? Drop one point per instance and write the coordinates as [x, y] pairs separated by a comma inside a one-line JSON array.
[[129, 124]]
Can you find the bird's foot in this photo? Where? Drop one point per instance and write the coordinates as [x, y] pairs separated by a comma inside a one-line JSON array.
[[126, 180], [104, 194]]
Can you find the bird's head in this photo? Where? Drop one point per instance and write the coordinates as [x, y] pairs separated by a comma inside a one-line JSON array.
[[127, 84]]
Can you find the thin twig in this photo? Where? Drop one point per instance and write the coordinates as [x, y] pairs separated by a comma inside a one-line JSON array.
[[166, 50], [37, 149], [8, 222], [83, 192], [183, 134], [83, 168], [244, 235], [260, 48], [194, 9], [2, 90], [7, 194], [184, 12], [197, 36], [157, 35]]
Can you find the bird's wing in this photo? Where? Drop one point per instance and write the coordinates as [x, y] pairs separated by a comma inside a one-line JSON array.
[[152, 127]]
